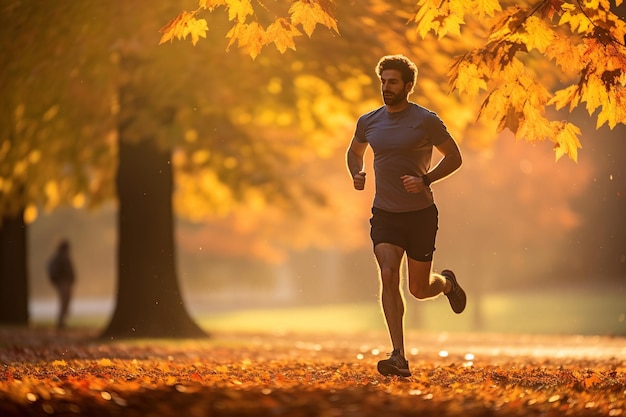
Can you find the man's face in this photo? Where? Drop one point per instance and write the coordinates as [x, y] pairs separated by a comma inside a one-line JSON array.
[[393, 88]]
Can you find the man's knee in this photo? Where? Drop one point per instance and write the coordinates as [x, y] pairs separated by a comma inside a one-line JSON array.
[[419, 292], [389, 275]]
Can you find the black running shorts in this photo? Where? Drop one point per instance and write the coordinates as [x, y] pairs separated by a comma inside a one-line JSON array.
[[414, 231]]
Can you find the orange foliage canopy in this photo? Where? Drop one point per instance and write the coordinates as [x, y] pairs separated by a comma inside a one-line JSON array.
[[582, 40]]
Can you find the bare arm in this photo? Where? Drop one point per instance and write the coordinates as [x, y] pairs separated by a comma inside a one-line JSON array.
[[354, 161], [449, 163]]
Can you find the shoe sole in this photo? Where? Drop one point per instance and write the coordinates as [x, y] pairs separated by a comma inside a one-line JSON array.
[[390, 370]]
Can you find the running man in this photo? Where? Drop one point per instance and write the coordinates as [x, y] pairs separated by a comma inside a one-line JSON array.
[[404, 219]]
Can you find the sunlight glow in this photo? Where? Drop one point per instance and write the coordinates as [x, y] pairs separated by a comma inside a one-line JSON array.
[[275, 86], [34, 156], [191, 135], [30, 214], [79, 200], [230, 162], [200, 157]]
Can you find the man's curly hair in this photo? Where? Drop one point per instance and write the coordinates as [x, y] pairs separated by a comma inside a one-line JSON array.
[[401, 63]]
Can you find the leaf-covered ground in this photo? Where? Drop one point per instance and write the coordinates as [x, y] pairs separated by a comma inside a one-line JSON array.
[[47, 374]]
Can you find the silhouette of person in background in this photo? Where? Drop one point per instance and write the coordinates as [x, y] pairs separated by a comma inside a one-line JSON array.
[[62, 277]]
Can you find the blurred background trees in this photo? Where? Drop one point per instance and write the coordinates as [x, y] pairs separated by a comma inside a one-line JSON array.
[[55, 141], [230, 171]]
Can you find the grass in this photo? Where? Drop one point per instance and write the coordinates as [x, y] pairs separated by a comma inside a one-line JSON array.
[[547, 313]]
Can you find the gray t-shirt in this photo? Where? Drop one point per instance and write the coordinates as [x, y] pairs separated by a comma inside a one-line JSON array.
[[402, 143]]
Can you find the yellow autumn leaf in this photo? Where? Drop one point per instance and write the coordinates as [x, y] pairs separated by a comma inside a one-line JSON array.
[[578, 22], [594, 93], [251, 37], [450, 24], [504, 23], [197, 28], [469, 79], [441, 18], [616, 61], [281, 32], [308, 14], [538, 34], [565, 96], [534, 126], [448, 17], [425, 17], [239, 10], [176, 27], [614, 110], [512, 121], [211, 4], [567, 8], [183, 25], [494, 105], [567, 142], [565, 54], [594, 4], [485, 7]]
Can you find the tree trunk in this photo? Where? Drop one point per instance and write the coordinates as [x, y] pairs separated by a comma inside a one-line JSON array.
[[13, 271], [149, 303]]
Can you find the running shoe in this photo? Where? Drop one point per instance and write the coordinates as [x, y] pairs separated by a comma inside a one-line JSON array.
[[395, 365], [456, 296]]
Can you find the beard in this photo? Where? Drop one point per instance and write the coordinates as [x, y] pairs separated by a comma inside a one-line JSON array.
[[391, 99]]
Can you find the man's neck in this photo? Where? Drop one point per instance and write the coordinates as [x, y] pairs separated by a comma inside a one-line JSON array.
[[396, 108]]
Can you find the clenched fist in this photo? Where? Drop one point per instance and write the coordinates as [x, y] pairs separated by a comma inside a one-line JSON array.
[[413, 184], [359, 180]]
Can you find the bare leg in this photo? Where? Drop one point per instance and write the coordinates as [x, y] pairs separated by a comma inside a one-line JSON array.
[[423, 284], [389, 258]]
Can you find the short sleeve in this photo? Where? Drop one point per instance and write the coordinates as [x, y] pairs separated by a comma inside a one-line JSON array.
[[359, 132], [437, 131]]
